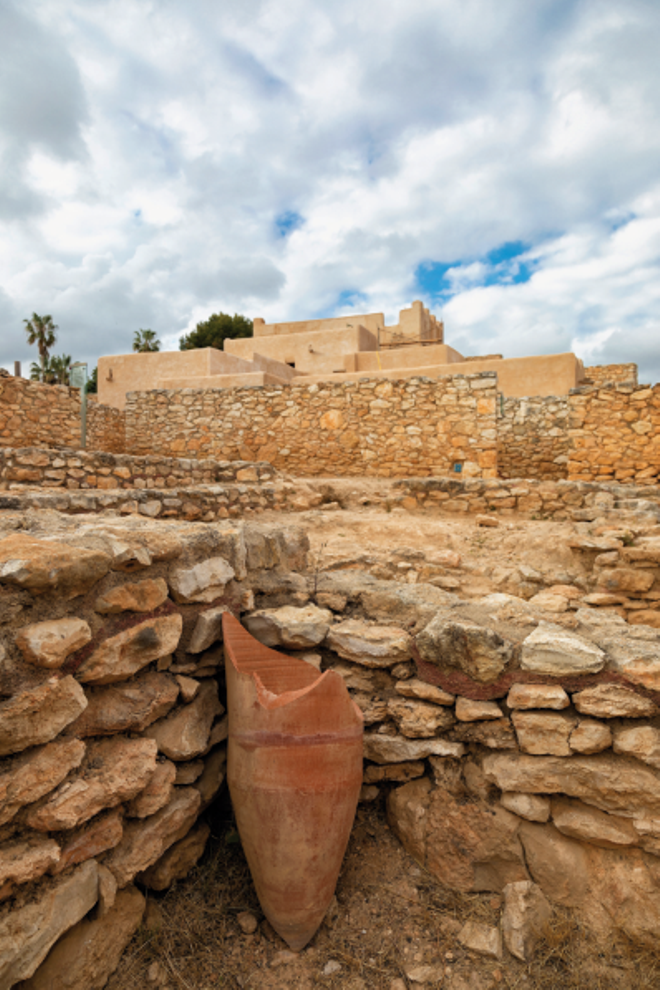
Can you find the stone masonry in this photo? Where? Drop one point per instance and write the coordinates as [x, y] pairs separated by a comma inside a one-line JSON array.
[[532, 437]]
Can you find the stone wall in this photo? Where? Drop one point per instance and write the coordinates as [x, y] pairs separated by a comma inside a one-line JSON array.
[[532, 437], [34, 414], [614, 433], [604, 374], [403, 428]]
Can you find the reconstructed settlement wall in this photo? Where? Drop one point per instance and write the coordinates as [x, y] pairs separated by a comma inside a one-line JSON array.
[[532, 437], [35, 414], [407, 428]]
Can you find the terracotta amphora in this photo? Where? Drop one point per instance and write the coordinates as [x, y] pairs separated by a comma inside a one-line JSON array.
[[294, 771]]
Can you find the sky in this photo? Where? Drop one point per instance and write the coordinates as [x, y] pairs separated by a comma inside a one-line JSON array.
[[161, 161]]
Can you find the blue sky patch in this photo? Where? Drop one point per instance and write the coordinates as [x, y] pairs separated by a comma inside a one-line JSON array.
[[287, 222], [430, 278]]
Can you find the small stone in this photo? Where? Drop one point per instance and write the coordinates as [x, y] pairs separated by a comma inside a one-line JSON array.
[[488, 521], [26, 860], [44, 565], [202, 583], [139, 596], [415, 688], [208, 629], [477, 651], [37, 715], [212, 778], [369, 645], [543, 733], [551, 650], [185, 733], [247, 922], [126, 707], [400, 772], [291, 627], [548, 602], [641, 741], [283, 958], [580, 821], [417, 719], [331, 967], [402, 672], [103, 832], [188, 773], [107, 891], [177, 862], [526, 911], [368, 793], [35, 773], [425, 974], [532, 807], [614, 701], [121, 656], [476, 711], [590, 737], [48, 644], [399, 749], [188, 687], [538, 696], [157, 793], [483, 939]]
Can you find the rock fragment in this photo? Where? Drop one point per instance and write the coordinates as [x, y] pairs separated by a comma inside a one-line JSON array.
[[538, 696], [614, 701], [468, 710], [137, 596], [478, 651], [418, 719], [549, 649], [48, 644], [544, 733], [185, 733], [37, 715], [128, 706], [203, 582], [290, 627], [369, 645], [208, 630], [526, 911], [121, 656]]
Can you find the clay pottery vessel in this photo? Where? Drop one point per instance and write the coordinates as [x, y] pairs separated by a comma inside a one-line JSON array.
[[294, 769]]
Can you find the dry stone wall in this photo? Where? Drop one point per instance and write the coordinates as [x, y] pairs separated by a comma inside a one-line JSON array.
[[532, 437], [604, 374], [34, 414], [416, 426]]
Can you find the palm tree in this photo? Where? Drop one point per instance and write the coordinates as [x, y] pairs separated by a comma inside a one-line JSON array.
[[145, 340], [55, 370], [40, 330]]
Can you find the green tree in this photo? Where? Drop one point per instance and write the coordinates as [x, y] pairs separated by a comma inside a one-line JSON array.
[[92, 386], [54, 371], [214, 331], [40, 330], [145, 341]]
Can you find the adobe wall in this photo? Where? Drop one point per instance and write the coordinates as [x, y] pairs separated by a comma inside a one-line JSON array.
[[614, 433], [532, 438], [35, 414], [373, 428], [311, 352], [603, 374]]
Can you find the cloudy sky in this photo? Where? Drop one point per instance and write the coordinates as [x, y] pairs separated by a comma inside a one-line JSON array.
[[164, 160]]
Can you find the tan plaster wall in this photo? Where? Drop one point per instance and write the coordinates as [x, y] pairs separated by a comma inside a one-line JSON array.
[[140, 372], [406, 357], [325, 357], [221, 381], [369, 320]]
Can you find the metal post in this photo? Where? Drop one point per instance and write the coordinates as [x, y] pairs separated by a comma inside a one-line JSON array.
[[79, 380], [17, 369]]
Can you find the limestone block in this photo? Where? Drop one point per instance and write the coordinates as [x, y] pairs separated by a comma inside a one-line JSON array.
[[212, 778], [400, 772], [121, 656], [185, 733], [208, 630], [642, 742], [579, 821], [625, 580], [549, 602], [552, 650], [369, 645], [537, 696], [418, 719], [291, 627], [116, 770], [357, 677], [399, 749], [28, 931], [138, 596], [613, 701], [526, 910], [188, 687], [102, 833], [156, 794], [637, 659], [145, 841], [177, 862], [544, 733], [26, 860], [468, 710], [48, 644], [39, 714], [494, 733], [414, 688], [481, 938], [129, 706], [44, 565], [90, 951], [590, 737], [532, 807], [611, 783], [373, 709], [28, 777], [204, 582], [479, 652]]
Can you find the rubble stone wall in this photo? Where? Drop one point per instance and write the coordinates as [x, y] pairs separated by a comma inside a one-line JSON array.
[[603, 374], [614, 433], [532, 437], [403, 428], [35, 414]]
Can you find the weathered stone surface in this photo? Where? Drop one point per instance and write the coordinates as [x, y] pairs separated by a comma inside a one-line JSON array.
[[202, 583], [30, 776], [48, 644], [102, 833], [613, 701], [356, 677], [27, 859], [44, 565], [466, 846], [611, 783], [468, 710], [156, 794], [126, 707], [479, 652], [373, 709], [526, 911], [418, 719], [185, 733], [400, 772], [529, 806], [580, 821], [291, 627], [39, 714], [212, 779], [590, 737], [208, 629], [188, 773], [543, 733], [123, 655], [178, 860], [219, 733], [137, 596], [483, 939], [552, 650], [399, 749], [549, 602], [145, 841], [638, 660], [414, 688], [640, 741], [27, 932], [538, 696], [116, 770], [188, 687], [368, 645], [495, 734], [90, 952], [624, 579]]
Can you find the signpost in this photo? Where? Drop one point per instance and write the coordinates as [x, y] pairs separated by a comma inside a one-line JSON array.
[[79, 380]]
